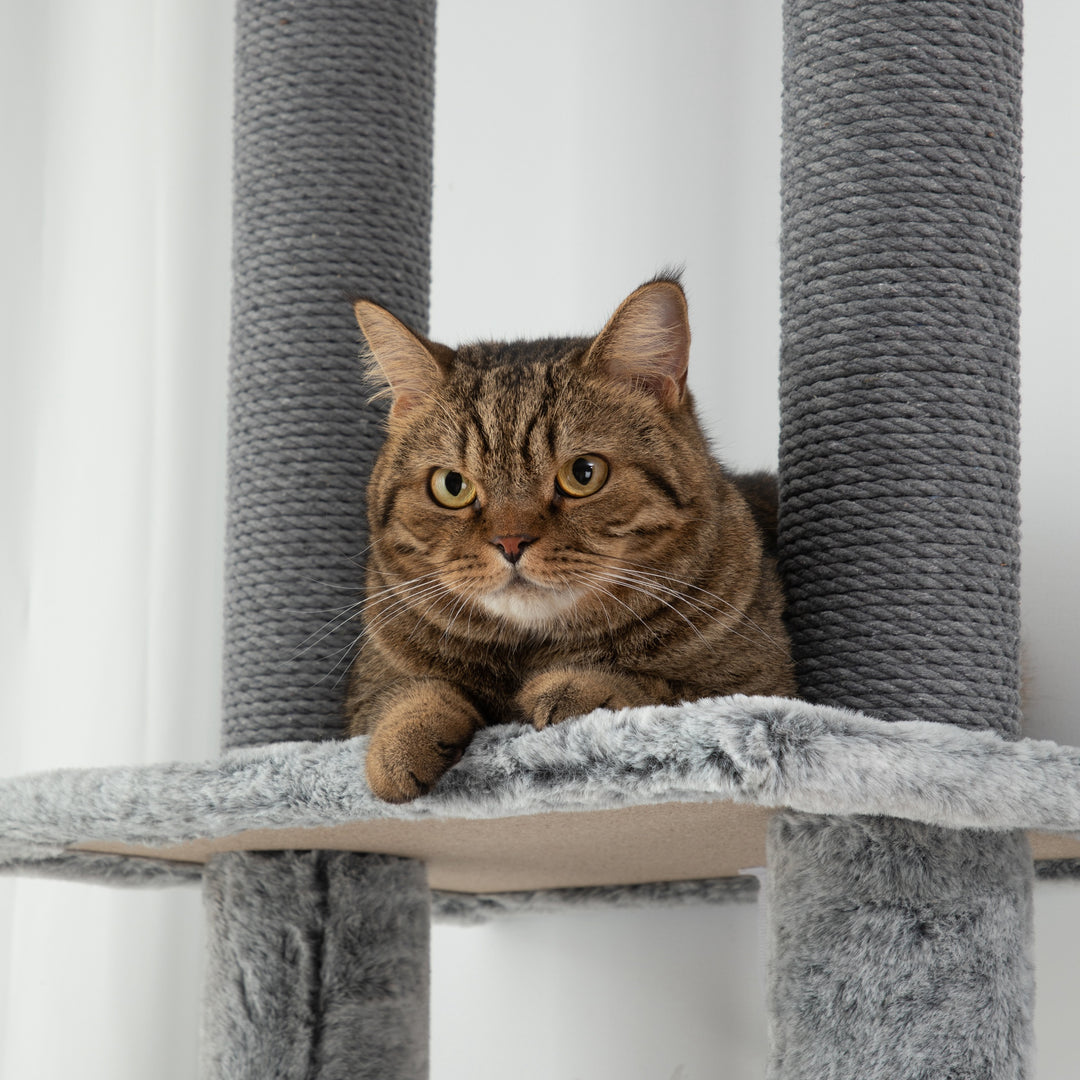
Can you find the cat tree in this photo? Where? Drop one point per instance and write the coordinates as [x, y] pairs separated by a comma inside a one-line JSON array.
[[900, 874]]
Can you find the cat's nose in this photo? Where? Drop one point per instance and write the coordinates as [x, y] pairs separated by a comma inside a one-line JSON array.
[[512, 547]]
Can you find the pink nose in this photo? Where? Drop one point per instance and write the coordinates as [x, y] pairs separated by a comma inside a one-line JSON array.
[[512, 546]]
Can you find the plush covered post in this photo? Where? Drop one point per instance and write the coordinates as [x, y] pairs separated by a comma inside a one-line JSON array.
[[901, 950], [318, 967]]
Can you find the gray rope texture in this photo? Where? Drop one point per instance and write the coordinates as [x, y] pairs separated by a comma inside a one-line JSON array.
[[332, 197], [899, 369]]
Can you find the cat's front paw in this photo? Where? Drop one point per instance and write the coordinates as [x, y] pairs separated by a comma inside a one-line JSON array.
[[554, 696], [419, 737]]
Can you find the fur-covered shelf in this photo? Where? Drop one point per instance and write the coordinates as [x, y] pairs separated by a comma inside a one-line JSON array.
[[660, 794]]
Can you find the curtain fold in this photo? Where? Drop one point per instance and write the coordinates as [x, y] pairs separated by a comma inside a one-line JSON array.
[[114, 286]]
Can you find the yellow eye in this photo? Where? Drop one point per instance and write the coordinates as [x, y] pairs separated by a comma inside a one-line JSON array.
[[451, 489], [583, 476]]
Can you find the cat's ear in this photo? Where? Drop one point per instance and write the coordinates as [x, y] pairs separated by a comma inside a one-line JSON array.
[[409, 366], [647, 341]]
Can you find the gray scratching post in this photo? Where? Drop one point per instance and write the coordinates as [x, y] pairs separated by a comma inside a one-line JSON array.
[[331, 197], [899, 380], [317, 967], [899, 950], [319, 962]]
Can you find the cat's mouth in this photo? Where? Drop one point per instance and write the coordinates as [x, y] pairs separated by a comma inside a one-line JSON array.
[[518, 580]]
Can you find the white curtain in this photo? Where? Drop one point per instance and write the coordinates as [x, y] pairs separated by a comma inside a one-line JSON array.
[[114, 285], [550, 204]]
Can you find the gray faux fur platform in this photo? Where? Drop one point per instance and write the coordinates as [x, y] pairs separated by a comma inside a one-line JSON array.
[[767, 751]]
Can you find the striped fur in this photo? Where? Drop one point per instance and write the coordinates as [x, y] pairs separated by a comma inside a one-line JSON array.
[[657, 588]]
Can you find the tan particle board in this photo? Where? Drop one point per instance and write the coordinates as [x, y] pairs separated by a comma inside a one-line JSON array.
[[667, 842]]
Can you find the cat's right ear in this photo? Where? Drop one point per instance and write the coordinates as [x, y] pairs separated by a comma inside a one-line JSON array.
[[406, 365], [647, 341]]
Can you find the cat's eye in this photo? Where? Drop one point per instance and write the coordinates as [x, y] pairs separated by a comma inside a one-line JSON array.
[[449, 488], [583, 476]]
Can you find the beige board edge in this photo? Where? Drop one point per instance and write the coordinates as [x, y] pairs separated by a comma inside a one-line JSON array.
[[630, 845]]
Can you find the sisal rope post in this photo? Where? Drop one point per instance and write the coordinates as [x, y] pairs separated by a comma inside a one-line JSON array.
[[333, 132]]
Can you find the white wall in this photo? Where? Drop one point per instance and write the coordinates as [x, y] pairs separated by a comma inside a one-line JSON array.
[[1050, 368], [581, 146], [1050, 392]]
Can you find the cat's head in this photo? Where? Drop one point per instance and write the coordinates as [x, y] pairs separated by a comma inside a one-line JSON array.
[[530, 486]]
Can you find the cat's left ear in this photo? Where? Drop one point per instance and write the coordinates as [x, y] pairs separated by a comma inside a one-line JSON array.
[[647, 341]]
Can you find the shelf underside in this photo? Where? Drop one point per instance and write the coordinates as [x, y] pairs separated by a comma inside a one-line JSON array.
[[677, 841]]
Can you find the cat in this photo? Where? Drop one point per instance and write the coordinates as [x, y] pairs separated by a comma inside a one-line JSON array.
[[551, 535]]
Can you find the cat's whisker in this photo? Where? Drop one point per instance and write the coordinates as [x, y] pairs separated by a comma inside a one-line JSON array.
[[341, 618], [397, 608], [710, 615], [740, 615], [443, 602], [331, 585], [363, 551], [466, 601], [699, 609], [403, 588], [577, 618], [397, 597], [409, 583], [599, 588], [320, 636], [360, 554], [401, 605], [344, 670], [652, 574], [338, 655], [629, 577], [383, 617], [613, 579], [335, 611]]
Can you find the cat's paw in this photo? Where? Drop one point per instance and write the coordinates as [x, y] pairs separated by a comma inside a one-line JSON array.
[[554, 696], [415, 741]]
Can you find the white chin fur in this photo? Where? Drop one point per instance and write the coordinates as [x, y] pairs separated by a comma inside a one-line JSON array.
[[531, 607]]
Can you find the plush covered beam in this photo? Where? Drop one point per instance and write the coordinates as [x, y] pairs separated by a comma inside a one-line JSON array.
[[900, 950], [317, 967]]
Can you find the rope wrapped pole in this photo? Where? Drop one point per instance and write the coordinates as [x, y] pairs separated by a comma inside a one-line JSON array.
[[899, 950], [333, 134]]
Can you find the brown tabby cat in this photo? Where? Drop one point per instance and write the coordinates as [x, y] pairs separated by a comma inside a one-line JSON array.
[[551, 536]]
